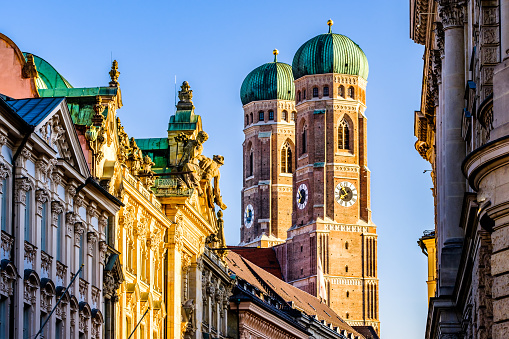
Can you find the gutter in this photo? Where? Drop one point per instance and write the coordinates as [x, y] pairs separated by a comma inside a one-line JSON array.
[[91, 180]]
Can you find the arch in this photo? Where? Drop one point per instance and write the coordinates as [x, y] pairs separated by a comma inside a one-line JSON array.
[[325, 91], [252, 117], [303, 137], [261, 116], [298, 96], [341, 91], [304, 94], [247, 120], [284, 116], [97, 315], [49, 286], [250, 167], [286, 158], [351, 92], [315, 92], [292, 117], [271, 115], [73, 302], [343, 135]]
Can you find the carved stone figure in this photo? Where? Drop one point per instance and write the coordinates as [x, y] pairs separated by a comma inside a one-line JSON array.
[[210, 168], [191, 161]]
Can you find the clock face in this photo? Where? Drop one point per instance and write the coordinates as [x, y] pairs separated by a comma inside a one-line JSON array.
[[345, 194], [248, 216], [302, 196]]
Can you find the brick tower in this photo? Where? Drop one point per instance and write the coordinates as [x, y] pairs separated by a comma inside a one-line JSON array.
[[268, 98], [331, 233], [331, 223]]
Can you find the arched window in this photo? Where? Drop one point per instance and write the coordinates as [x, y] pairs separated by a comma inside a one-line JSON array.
[[293, 116], [315, 92], [261, 116], [251, 163], [247, 119], [347, 294], [271, 115], [343, 135], [284, 116], [325, 91], [286, 158], [304, 94], [252, 117], [304, 140], [346, 268], [298, 96], [346, 245], [351, 92], [341, 91]]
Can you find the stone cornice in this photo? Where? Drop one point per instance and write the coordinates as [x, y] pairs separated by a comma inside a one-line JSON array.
[[485, 159]]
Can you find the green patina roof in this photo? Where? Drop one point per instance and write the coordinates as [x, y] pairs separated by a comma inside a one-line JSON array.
[[330, 53], [183, 121], [48, 76], [152, 143], [273, 80], [78, 92]]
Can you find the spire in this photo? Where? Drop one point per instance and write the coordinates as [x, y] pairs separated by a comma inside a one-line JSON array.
[[330, 23], [275, 52], [114, 73]]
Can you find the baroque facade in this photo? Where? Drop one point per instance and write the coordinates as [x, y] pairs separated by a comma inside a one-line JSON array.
[[53, 214], [306, 182], [462, 130]]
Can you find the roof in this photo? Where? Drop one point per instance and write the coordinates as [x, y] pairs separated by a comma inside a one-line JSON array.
[[34, 110], [152, 143], [367, 331], [183, 120], [262, 257], [266, 283], [273, 80], [78, 92], [330, 53], [48, 75]]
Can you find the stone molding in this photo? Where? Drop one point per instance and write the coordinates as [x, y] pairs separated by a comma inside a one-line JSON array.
[[452, 13]]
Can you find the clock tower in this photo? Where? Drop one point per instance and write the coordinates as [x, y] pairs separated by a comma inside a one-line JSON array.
[[332, 230], [330, 249]]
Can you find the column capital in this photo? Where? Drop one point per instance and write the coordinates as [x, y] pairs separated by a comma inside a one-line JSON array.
[[452, 13]]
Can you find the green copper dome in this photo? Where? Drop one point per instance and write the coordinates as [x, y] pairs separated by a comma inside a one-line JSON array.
[[330, 53], [273, 80]]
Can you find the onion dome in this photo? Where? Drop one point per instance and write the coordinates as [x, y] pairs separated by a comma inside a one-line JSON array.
[[330, 53], [273, 80]]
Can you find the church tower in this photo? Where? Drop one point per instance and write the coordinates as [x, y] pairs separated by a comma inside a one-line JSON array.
[[268, 98], [332, 233], [309, 120]]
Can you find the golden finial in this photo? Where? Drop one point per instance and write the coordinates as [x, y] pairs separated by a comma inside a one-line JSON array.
[[275, 52], [330, 23], [114, 73]]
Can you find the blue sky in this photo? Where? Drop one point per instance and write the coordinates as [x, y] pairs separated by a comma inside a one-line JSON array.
[[214, 45]]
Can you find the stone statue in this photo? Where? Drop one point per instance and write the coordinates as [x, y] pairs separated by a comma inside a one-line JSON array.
[[147, 176], [210, 168], [135, 157], [191, 159]]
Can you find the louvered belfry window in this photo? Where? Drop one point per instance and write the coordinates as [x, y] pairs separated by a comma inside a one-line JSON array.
[[286, 158], [343, 135]]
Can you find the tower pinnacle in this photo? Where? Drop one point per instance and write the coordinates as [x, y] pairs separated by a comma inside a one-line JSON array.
[[275, 52], [330, 23]]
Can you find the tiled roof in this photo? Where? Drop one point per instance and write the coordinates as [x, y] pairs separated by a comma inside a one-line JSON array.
[[262, 257], [34, 110], [265, 282], [367, 331]]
